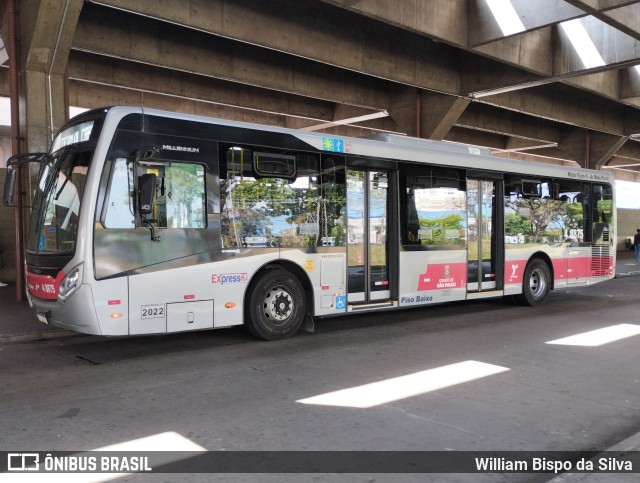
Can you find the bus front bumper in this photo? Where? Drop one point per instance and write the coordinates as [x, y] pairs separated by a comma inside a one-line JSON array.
[[77, 313]]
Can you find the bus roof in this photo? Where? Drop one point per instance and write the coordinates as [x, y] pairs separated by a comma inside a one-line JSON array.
[[398, 148]]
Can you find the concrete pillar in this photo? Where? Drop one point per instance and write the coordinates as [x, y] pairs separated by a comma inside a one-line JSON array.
[[46, 29]]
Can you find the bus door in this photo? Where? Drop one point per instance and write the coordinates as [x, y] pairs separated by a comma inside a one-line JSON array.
[[485, 248], [368, 237]]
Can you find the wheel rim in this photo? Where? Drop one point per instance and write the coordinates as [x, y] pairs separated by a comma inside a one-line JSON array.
[[537, 283], [278, 305]]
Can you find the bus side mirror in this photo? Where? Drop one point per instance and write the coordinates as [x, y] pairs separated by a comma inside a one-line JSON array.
[[146, 193], [9, 187]]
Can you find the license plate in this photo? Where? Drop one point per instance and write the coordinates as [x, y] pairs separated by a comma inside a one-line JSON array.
[[42, 318]]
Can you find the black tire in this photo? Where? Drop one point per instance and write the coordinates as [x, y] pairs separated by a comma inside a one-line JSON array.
[[275, 305], [536, 284]]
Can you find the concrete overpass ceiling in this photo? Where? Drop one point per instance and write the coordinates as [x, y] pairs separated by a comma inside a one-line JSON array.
[[506, 74]]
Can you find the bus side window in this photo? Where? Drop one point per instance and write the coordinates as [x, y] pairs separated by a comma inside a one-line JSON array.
[[181, 196], [433, 208], [570, 216], [602, 206], [269, 198], [118, 208], [333, 209]]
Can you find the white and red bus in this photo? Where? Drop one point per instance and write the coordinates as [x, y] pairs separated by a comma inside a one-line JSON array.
[[148, 222]]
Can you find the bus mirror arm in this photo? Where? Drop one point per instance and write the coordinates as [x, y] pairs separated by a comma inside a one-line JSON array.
[[154, 238], [14, 163]]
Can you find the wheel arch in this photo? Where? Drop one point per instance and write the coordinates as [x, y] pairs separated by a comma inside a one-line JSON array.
[[290, 266]]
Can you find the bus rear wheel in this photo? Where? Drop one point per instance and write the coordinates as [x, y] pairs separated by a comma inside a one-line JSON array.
[[276, 305], [536, 284]]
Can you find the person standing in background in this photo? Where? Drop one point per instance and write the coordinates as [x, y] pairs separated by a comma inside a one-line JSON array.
[[636, 244]]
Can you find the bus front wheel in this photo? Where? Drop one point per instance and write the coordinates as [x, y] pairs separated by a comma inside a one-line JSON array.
[[276, 305], [536, 284]]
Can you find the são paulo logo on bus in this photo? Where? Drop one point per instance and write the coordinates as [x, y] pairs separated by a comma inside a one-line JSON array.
[[223, 278]]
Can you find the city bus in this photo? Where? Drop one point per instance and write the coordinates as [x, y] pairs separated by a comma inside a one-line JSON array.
[[147, 222]]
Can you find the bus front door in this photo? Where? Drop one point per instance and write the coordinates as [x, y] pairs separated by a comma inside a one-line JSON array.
[[368, 236], [485, 248]]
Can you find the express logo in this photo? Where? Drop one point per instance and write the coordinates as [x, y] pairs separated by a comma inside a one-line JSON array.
[[223, 278]]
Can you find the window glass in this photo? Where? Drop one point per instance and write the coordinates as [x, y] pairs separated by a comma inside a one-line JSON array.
[[433, 208], [571, 217], [59, 193], [602, 214], [333, 212], [119, 206], [180, 195], [179, 201], [273, 164], [260, 211], [542, 211]]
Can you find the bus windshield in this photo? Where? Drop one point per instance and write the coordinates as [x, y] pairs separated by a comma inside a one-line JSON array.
[[54, 221]]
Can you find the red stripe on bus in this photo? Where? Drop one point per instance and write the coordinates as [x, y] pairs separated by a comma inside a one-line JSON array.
[[563, 268], [44, 286]]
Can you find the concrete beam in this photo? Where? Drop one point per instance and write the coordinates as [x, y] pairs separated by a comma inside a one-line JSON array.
[[629, 83], [148, 42], [509, 123], [615, 47], [315, 30], [403, 109], [567, 105], [440, 113], [606, 84], [629, 150], [622, 15], [98, 95], [445, 20], [626, 19], [348, 120], [169, 46], [522, 145], [462, 135], [589, 149], [595, 7], [484, 28], [603, 147], [425, 114], [95, 69]]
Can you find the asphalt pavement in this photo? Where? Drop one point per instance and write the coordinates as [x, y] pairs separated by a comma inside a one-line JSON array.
[[18, 326]]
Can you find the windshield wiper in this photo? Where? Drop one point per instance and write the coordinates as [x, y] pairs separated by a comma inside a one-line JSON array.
[[56, 167], [66, 180]]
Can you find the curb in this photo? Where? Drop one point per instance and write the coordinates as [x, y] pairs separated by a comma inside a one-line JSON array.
[[37, 336], [626, 274]]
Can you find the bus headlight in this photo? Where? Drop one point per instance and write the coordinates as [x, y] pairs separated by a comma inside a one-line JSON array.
[[70, 283]]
